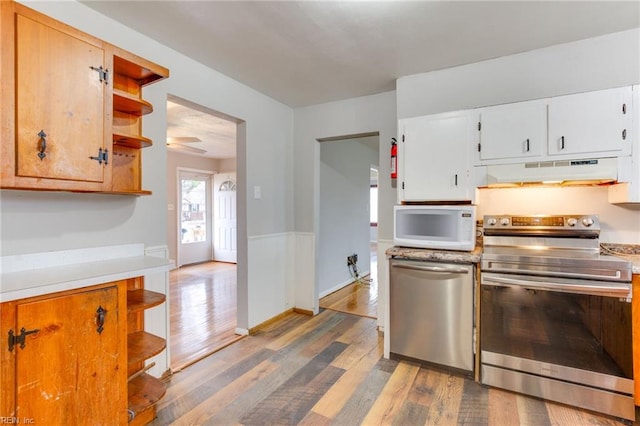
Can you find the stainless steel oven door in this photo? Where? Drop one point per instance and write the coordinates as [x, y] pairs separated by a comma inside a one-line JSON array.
[[582, 324], [561, 339]]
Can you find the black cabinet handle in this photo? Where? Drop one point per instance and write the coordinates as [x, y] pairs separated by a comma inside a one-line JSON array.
[[562, 143], [101, 313], [456, 180], [42, 143], [527, 145]]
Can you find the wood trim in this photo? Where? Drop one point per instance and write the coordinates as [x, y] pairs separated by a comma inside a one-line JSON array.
[[303, 311], [7, 361], [476, 348], [635, 327], [270, 321], [7, 94]]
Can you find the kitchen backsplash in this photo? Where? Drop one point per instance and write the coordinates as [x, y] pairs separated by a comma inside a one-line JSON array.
[[620, 224]]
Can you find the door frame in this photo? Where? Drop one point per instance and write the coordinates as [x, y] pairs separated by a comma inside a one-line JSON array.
[[178, 210]]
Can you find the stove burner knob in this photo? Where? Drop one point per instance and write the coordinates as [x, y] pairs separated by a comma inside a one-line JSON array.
[[572, 221], [504, 221], [587, 221], [492, 221]]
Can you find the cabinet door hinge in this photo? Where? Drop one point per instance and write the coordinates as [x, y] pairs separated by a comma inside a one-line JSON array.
[[402, 138], [624, 108], [402, 185], [103, 74], [102, 157], [20, 338], [479, 126], [479, 146]]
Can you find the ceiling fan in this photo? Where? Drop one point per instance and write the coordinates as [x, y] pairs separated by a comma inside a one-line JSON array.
[[177, 143]]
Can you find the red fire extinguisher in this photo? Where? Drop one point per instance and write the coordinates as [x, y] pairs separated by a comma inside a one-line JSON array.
[[394, 158]]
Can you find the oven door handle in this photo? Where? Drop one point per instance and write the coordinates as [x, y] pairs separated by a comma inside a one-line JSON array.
[[592, 288]]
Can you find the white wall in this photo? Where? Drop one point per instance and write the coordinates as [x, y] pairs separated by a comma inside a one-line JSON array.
[[344, 214], [376, 113], [174, 161], [228, 165], [35, 221], [598, 63]]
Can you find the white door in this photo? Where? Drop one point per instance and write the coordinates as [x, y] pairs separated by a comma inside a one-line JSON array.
[[224, 218], [195, 218]]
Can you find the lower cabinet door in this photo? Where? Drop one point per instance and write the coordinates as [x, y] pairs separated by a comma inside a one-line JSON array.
[[72, 366]]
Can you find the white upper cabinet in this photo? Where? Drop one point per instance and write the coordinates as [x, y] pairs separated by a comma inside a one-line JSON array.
[[434, 157], [579, 126], [591, 123], [513, 131]]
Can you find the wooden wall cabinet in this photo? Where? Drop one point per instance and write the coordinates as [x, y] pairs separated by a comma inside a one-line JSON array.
[[72, 107]]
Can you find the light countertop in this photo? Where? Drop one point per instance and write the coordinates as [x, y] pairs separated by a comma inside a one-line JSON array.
[[436, 255], [627, 253], [37, 274]]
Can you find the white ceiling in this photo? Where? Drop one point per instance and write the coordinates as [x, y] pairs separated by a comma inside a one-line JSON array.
[[309, 52], [194, 130]]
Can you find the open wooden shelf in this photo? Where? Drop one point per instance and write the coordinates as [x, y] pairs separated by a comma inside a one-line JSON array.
[[127, 103], [142, 345], [141, 70], [132, 141], [144, 391], [141, 299]]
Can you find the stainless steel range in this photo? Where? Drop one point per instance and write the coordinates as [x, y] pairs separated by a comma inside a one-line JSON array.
[[555, 313]]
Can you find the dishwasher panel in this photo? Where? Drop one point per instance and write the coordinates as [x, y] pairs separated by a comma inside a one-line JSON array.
[[431, 312]]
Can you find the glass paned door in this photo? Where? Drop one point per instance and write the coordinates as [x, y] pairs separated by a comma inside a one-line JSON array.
[[195, 218]]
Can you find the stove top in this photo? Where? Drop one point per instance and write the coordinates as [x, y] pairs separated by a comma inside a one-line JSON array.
[[560, 246], [577, 226]]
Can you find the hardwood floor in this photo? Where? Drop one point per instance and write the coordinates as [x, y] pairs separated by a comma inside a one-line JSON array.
[[359, 298], [329, 369], [202, 307], [356, 298]]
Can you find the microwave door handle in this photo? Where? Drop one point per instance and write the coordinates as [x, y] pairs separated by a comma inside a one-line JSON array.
[[591, 289], [430, 268]]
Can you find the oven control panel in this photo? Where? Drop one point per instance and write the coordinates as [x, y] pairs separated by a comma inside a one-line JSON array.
[[542, 223]]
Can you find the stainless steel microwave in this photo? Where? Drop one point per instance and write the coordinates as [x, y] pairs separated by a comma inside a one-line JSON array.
[[435, 227]]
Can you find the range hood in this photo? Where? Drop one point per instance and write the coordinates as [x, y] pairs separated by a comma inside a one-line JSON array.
[[590, 171]]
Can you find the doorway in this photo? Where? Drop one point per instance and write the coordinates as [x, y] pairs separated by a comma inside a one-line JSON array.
[[195, 242], [203, 296], [345, 223]]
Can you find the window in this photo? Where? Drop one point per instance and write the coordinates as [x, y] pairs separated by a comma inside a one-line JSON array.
[[373, 205]]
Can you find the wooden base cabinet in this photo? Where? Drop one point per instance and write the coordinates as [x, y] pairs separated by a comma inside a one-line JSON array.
[[65, 357], [635, 324], [72, 107], [78, 357]]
